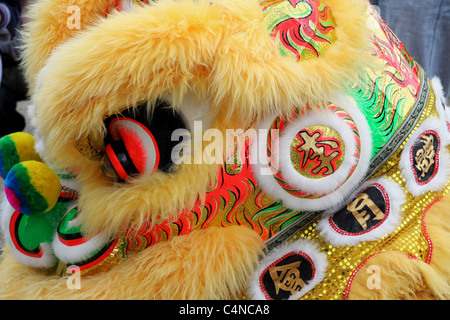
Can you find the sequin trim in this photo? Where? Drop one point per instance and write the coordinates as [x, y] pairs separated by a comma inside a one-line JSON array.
[[425, 231]]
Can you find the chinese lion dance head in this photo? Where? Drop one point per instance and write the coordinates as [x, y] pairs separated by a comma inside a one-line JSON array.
[[281, 149]]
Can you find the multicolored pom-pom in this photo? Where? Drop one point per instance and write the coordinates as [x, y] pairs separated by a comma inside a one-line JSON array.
[[32, 187], [15, 148]]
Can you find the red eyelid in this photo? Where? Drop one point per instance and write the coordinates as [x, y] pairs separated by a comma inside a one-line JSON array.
[[137, 151], [116, 163]]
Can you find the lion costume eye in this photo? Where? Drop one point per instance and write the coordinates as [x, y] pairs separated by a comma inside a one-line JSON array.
[[139, 142]]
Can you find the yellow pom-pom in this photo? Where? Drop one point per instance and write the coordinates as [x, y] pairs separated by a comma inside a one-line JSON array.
[[15, 148], [32, 187]]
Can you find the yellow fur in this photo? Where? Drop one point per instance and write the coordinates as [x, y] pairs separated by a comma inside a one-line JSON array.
[[48, 29], [405, 278], [183, 268], [222, 52]]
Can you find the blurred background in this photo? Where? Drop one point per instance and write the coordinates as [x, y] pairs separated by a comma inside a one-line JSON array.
[[424, 29]]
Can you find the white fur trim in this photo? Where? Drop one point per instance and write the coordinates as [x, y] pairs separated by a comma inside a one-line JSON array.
[[74, 254], [441, 107], [326, 184], [443, 171], [310, 249], [5, 213], [47, 260], [395, 199], [259, 160]]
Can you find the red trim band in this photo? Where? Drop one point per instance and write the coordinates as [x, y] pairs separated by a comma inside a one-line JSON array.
[[116, 163]]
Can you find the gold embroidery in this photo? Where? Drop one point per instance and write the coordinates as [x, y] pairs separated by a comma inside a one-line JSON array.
[[317, 155]]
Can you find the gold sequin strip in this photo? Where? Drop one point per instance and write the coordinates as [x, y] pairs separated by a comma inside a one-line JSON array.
[[409, 237]]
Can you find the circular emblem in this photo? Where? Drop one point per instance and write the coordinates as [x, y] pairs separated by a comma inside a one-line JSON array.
[[320, 164], [323, 148], [372, 212], [424, 160], [311, 155]]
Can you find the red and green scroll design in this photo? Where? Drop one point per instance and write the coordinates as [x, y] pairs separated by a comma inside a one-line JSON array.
[[304, 29], [387, 95], [234, 198]]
